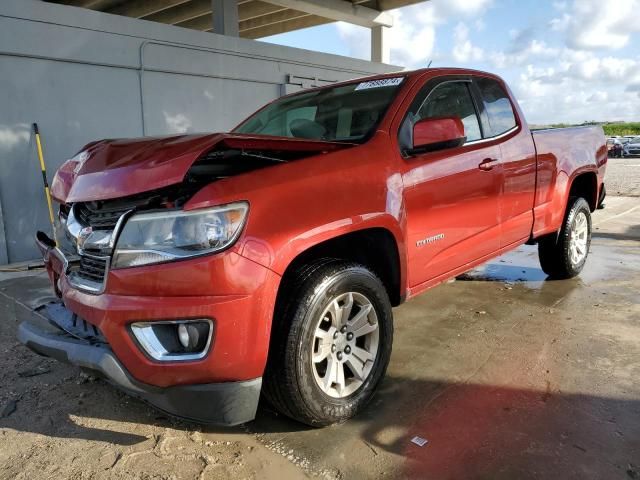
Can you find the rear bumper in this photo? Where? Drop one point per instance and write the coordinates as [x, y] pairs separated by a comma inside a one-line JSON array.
[[229, 403]]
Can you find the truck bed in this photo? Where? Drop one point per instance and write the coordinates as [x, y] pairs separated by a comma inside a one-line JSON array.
[[563, 153]]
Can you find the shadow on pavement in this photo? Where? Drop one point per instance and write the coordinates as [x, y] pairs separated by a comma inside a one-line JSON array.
[[475, 429], [631, 233], [479, 431]]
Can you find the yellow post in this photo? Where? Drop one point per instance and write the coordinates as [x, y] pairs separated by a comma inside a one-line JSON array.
[[47, 193]]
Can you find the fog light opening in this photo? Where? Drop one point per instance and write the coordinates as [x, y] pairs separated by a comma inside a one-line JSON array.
[[177, 340], [193, 336]]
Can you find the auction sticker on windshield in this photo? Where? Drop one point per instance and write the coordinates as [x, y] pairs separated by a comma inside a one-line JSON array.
[[383, 82]]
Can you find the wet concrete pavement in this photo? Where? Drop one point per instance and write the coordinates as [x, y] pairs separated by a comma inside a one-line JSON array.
[[507, 375]]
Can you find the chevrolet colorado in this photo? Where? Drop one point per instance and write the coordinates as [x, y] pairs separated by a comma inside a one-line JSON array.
[[198, 271]]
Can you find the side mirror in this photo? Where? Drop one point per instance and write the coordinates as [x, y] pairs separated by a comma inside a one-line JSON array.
[[430, 134]]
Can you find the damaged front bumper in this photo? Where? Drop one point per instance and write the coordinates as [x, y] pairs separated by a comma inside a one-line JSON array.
[[237, 294], [54, 333], [55, 262]]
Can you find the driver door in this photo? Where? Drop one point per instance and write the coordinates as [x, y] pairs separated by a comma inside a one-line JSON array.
[[451, 195]]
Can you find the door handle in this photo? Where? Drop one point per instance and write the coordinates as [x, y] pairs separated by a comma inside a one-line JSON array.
[[488, 164]]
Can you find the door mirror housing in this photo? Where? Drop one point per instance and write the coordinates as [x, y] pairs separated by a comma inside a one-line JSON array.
[[431, 134]]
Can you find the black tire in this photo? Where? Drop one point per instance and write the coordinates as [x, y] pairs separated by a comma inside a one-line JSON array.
[[289, 382], [554, 250]]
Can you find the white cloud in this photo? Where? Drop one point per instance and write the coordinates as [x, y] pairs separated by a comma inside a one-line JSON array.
[[463, 50], [566, 68], [597, 24], [453, 8], [560, 24], [413, 35], [535, 50], [579, 86], [411, 43], [599, 96]]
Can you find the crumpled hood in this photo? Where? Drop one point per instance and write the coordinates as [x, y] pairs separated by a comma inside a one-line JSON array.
[[118, 168]]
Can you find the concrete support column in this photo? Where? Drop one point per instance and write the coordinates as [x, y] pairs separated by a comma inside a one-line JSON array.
[[225, 17], [380, 47]]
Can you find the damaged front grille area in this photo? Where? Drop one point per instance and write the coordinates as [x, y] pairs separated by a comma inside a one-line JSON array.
[[90, 273], [91, 215], [93, 229], [104, 214], [92, 268]]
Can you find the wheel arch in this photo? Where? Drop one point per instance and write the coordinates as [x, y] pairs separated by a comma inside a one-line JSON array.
[[585, 184], [375, 248]]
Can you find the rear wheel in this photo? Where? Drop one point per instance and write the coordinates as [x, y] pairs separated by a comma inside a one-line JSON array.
[[331, 343], [564, 254]]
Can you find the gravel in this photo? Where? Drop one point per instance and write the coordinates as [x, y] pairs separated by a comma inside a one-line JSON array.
[[623, 177]]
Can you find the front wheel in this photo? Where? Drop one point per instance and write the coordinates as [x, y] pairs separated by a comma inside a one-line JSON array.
[[564, 254], [331, 343]]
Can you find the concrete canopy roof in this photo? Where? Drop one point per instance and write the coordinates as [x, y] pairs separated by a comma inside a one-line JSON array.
[[256, 18]]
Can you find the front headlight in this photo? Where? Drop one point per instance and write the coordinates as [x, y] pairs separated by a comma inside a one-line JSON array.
[[162, 236]]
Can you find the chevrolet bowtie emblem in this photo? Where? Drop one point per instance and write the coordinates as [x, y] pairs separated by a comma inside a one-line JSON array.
[[83, 235]]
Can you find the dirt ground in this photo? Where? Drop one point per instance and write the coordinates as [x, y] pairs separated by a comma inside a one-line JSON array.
[[507, 375]]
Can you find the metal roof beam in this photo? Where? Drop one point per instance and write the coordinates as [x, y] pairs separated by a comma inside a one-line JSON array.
[[391, 4], [271, 19], [257, 9], [90, 4], [246, 12], [182, 13], [285, 26], [339, 10], [144, 8]]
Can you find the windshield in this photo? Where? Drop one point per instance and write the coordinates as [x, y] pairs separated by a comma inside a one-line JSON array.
[[635, 140], [345, 113]]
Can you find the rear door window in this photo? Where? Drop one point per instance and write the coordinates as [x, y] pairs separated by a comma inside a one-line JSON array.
[[497, 105]]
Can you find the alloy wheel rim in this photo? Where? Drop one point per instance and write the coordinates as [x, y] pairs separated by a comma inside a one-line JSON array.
[[578, 238], [345, 344]]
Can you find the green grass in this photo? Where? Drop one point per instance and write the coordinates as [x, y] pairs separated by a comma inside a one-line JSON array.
[[620, 129], [610, 129]]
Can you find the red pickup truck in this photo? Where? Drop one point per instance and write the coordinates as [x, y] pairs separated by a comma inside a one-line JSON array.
[[197, 271]]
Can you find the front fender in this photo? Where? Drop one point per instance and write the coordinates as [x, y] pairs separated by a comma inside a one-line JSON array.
[[297, 205]]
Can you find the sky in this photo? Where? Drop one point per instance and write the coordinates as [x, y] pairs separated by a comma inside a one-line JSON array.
[[567, 61]]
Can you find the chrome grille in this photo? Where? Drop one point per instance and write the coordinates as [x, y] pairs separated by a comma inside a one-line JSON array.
[[92, 268], [93, 227], [90, 214]]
